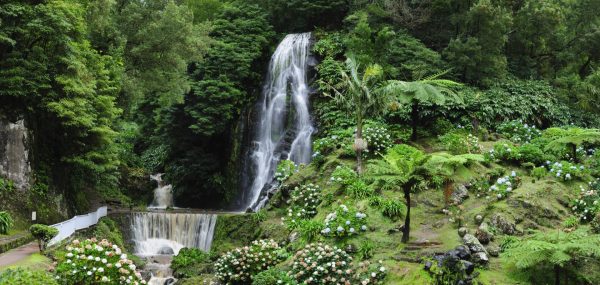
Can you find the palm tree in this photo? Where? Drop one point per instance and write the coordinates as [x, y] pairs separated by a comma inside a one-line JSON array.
[[446, 165], [429, 90], [361, 97], [571, 138], [367, 94], [401, 168]]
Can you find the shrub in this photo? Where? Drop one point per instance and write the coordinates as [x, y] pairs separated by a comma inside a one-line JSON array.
[[539, 172], [518, 132], [6, 185], [321, 264], [531, 153], [241, 264], [454, 142], [309, 229], [43, 234], [503, 152], [505, 185], [567, 171], [343, 175], [358, 189], [303, 203], [587, 205], [365, 250], [285, 169], [570, 222], [6, 222], [378, 139], [392, 208], [91, 261], [344, 223], [595, 224], [28, 277], [190, 262], [368, 273], [273, 276]]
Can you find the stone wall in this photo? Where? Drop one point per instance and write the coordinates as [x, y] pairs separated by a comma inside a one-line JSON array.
[[14, 154]]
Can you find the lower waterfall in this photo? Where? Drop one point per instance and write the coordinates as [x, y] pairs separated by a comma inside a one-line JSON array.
[[158, 236]]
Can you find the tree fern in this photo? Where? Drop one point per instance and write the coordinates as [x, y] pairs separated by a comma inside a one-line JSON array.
[[571, 138]]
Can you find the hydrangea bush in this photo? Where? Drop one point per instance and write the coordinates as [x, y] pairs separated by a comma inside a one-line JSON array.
[[285, 169], [519, 132], [378, 139], [587, 205], [303, 203], [343, 175], [503, 152], [344, 223], [370, 273], [505, 185], [460, 142], [92, 261], [322, 264], [239, 265], [566, 171]]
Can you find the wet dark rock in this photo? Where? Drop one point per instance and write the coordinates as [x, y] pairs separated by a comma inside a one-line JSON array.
[[484, 234], [428, 265], [166, 251], [459, 194], [481, 258], [469, 267], [503, 225], [463, 252]]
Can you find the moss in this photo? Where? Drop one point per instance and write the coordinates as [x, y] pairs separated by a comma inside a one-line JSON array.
[[233, 230]]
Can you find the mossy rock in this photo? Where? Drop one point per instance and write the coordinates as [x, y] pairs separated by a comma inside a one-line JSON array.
[[234, 230]]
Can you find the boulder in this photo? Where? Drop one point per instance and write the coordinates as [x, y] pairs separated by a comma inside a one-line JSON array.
[[478, 219], [484, 234], [463, 252], [469, 267], [473, 244], [493, 250], [166, 251], [503, 225], [459, 194], [481, 258], [462, 231]]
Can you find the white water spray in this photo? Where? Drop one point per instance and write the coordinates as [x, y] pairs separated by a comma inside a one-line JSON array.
[[167, 233], [163, 194], [287, 76]]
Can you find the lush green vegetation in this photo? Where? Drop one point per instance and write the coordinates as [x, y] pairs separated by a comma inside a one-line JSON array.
[[435, 118]]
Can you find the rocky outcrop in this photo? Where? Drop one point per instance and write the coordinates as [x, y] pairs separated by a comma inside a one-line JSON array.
[[14, 155], [504, 225], [459, 194]]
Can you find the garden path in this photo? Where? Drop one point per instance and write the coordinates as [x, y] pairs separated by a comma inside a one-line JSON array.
[[18, 254]]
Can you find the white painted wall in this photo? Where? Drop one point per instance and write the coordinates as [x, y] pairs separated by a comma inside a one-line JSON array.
[[68, 227]]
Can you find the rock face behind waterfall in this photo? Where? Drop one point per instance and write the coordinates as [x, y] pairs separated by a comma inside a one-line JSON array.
[[283, 125], [14, 155]]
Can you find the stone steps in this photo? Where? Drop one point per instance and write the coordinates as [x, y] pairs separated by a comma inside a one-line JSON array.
[[415, 252]]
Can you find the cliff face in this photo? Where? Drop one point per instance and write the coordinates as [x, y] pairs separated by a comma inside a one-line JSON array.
[[14, 154]]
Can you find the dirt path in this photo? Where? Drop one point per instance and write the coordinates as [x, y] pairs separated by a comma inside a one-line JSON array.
[[18, 254]]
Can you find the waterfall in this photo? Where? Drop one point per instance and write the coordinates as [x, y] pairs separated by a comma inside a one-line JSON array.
[[163, 194], [14, 156], [278, 134], [167, 233]]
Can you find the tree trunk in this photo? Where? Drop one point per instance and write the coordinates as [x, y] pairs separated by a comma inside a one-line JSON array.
[[556, 275], [359, 168], [406, 230], [414, 117], [574, 151], [448, 191]]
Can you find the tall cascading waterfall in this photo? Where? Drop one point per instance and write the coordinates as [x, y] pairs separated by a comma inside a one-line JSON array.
[[278, 137], [14, 155]]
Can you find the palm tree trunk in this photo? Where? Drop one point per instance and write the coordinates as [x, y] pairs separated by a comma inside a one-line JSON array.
[[556, 275], [414, 117], [406, 230], [574, 151], [359, 168]]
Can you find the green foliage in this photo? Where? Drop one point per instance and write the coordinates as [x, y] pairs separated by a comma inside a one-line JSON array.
[[366, 250], [587, 205], [570, 222], [343, 175], [25, 276], [344, 223], [567, 171], [6, 222], [273, 276], [504, 186], [595, 224], [572, 138], [392, 208], [259, 216], [358, 189], [401, 165], [309, 229], [458, 142], [43, 234], [555, 250], [108, 229], [240, 265], [190, 262], [303, 203], [539, 172], [6, 185], [336, 262], [503, 152], [285, 169]]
